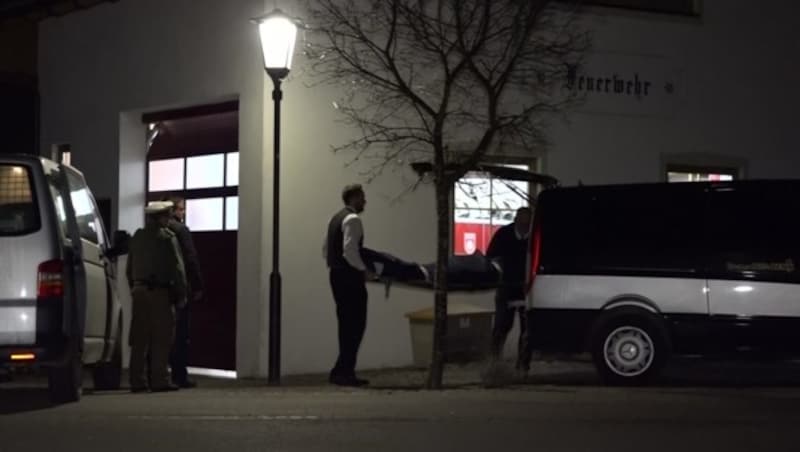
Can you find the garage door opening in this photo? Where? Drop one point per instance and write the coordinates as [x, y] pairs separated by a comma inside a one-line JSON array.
[[193, 153]]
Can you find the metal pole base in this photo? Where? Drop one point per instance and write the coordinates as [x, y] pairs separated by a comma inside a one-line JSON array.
[[274, 377]]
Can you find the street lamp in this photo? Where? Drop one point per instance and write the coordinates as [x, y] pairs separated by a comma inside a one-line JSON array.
[[278, 33]]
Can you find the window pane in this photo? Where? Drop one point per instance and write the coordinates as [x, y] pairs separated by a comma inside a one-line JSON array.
[[232, 170], [753, 232], [80, 201], [58, 200], [682, 176], [231, 213], [720, 177], [61, 212], [473, 191], [673, 176], [569, 218], [646, 228], [18, 212], [205, 171], [204, 214], [165, 175], [85, 214], [509, 195]]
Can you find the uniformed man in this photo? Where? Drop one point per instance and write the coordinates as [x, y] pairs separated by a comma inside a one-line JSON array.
[[179, 357], [158, 283]]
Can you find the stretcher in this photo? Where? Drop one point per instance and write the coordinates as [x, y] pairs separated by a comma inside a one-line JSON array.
[[470, 273]]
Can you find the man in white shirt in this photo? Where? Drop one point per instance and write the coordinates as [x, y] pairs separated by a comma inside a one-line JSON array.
[[348, 274]]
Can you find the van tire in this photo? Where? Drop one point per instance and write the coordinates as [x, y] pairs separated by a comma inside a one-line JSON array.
[[108, 375], [65, 383], [629, 348]]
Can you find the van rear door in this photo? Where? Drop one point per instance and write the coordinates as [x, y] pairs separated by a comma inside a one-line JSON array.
[[93, 240], [74, 271], [23, 249], [753, 234]]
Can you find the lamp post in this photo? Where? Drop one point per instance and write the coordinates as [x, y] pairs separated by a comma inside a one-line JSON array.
[[278, 33]]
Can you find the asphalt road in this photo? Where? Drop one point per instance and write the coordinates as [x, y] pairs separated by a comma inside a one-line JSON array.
[[545, 416]]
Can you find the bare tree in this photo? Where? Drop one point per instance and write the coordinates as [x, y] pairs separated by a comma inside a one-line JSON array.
[[446, 81]]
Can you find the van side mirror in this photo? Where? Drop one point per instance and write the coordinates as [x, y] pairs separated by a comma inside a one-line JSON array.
[[119, 244]]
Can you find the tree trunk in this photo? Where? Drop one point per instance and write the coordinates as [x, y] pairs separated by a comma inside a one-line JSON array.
[[436, 371]]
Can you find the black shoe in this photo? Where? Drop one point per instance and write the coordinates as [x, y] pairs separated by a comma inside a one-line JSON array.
[[139, 390], [348, 381], [185, 384], [168, 388]]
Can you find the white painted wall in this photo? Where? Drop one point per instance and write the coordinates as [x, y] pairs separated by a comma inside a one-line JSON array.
[[101, 68], [736, 95]]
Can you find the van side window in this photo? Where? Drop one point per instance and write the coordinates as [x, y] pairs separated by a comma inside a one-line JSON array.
[[89, 224], [61, 213], [623, 231], [754, 233], [18, 210], [58, 200], [654, 229]]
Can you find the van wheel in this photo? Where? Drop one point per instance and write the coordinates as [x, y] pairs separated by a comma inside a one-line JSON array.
[[108, 375], [65, 383], [629, 350]]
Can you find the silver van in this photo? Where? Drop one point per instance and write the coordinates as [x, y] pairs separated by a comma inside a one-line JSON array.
[[635, 274], [59, 308]]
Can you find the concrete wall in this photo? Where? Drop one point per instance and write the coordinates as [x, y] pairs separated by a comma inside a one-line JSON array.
[[735, 95], [733, 101], [21, 57], [19, 100], [102, 68]]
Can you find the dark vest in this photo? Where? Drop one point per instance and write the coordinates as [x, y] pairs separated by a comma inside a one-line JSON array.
[[336, 241]]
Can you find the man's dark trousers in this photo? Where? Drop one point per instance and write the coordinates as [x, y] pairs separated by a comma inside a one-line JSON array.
[[350, 293], [503, 322], [179, 358]]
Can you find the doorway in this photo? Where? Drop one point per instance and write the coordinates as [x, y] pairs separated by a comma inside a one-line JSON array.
[[193, 153]]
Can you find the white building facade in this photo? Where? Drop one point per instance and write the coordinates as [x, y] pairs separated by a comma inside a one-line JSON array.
[[710, 93]]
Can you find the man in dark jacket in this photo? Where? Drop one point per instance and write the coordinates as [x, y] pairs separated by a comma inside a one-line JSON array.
[[342, 250], [509, 247], [180, 353]]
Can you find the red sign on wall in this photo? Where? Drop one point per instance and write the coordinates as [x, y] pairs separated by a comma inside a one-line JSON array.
[[472, 237]]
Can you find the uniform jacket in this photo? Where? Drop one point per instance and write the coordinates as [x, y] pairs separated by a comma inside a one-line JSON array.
[[154, 258]]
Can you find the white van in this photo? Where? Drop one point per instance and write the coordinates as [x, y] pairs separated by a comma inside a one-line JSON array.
[[637, 273], [58, 304]]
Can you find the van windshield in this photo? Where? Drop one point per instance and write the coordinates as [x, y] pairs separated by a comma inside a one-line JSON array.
[[18, 212]]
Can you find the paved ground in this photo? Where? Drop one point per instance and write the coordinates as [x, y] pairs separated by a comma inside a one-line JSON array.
[[695, 407]]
